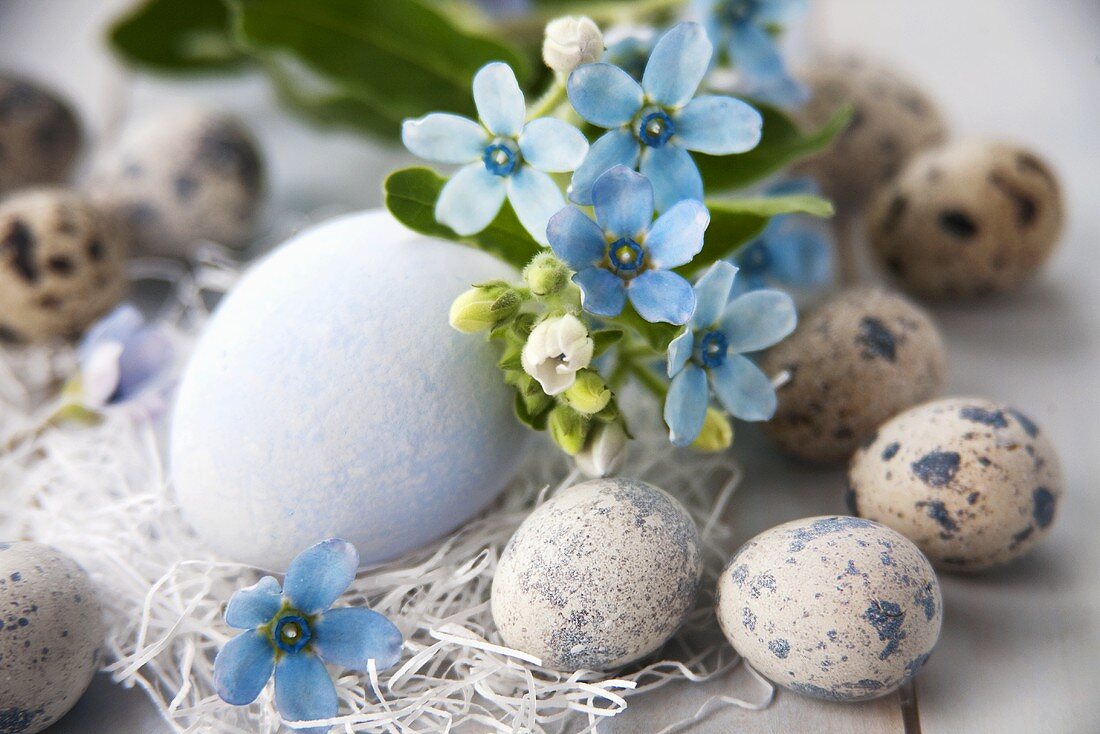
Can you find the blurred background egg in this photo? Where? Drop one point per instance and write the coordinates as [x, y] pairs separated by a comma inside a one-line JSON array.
[[39, 135], [51, 630], [599, 576], [838, 608], [328, 396], [974, 483]]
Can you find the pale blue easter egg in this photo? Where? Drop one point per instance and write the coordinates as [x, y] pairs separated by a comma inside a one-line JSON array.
[[329, 397]]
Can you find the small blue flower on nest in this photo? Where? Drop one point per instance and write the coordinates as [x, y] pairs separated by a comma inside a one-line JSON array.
[[293, 632], [120, 357]]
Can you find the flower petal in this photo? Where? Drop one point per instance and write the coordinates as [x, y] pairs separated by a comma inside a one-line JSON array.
[[146, 356], [800, 256], [677, 235], [712, 292], [757, 320], [718, 125], [320, 574], [784, 92], [100, 373], [117, 326], [679, 350], [499, 100], [602, 292], [575, 238], [252, 606], [242, 667], [673, 174], [351, 637], [616, 148], [780, 12], [552, 145], [661, 295], [623, 200], [677, 65], [754, 53], [604, 95], [304, 690], [445, 138], [535, 198], [743, 389], [686, 406], [471, 199]]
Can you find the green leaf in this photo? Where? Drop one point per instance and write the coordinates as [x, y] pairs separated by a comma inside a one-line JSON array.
[[782, 143], [177, 36], [604, 339], [407, 57], [411, 194], [658, 336], [533, 416], [735, 222], [333, 107]]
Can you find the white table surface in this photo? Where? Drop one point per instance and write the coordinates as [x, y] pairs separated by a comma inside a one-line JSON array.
[[1020, 650]]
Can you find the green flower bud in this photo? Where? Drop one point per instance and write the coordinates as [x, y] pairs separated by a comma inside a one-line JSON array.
[[569, 429], [546, 274], [589, 393], [484, 306], [717, 433]]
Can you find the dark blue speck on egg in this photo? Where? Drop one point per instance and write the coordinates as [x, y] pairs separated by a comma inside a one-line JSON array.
[[887, 618], [780, 647], [925, 598], [938, 512], [820, 528], [877, 340], [748, 619], [991, 418], [891, 451], [1043, 511], [1026, 423], [937, 468], [916, 664]]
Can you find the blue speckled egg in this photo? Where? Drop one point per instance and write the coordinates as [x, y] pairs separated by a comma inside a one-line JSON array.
[[838, 608], [51, 631], [972, 482], [329, 397], [599, 576]]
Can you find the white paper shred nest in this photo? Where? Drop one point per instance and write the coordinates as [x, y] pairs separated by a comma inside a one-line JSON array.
[[102, 495]]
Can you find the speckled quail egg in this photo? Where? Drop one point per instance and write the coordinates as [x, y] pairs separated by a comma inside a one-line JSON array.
[[892, 118], [51, 630], [176, 179], [61, 265], [599, 576], [972, 482], [859, 358], [838, 608], [968, 219], [39, 135]]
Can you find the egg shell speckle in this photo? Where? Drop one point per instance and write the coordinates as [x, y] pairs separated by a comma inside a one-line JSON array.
[[858, 359], [51, 631], [967, 219], [599, 576], [972, 482], [838, 608], [329, 397], [61, 266], [178, 178], [39, 135]]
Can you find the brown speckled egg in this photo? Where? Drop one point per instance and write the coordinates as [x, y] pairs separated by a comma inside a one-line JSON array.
[[837, 608], [972, 482], [61, 266], [39, 135], [51, 632], [177, 179], [892, 118], [859, 358], [967, 219]]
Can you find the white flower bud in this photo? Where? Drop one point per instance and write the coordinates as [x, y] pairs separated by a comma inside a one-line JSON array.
[[555, 350], [571, 41], [605, 453]]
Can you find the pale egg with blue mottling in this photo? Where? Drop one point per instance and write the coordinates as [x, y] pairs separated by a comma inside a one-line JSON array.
[[329, 397], [599, 576], [838, 608]]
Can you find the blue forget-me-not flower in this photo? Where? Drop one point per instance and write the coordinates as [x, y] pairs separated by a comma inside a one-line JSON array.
[[503, 156], [741, 27], [625, 254], [653, 125], [293, 632], [712, 350], [121, 357]]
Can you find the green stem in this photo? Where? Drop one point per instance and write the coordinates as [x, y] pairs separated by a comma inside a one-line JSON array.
[[549, 101]]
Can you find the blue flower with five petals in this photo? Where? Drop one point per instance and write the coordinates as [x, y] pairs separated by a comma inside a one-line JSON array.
[[711, 350], [503, 156], [624, 254], [654, 124], [293, 633], [742, 28]]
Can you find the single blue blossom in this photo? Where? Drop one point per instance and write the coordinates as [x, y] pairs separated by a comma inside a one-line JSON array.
[[293, 632], [712, 350], [654, 124], [503, 156], [624, 254], [742, 28], [121, 358], [794, 250]]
